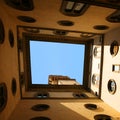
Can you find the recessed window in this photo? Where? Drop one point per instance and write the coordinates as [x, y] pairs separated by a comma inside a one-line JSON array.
[[78, 7], [59, 59], [65, 23], [102, 117], [80, 95], [32, 30], [25, 5], [40, 118], [86, 35], [116, 68], [97, 52], [42, 95], [11, 38], [14, 86], [95, 79], [69, 6], [91, 106], [100, 27], [27, 19], [112, 86], [3, 96], [114, 17], [60, 32], [73, 8], [40, 107], [114, 1], [22, 78], [2, 32], [114, 48]]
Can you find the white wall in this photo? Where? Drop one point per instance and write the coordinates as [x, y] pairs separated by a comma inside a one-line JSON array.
[[111, 99], [96, 64]]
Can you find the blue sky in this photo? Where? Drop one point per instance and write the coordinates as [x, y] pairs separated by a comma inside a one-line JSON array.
[[50, 58]]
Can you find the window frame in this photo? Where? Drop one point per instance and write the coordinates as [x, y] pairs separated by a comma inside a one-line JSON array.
[[114, 68], [27, 64], [23, 47]]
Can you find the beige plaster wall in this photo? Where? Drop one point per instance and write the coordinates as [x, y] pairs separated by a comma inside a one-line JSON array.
[[9, 64], [59, 109], [63, 109], [112, 100]]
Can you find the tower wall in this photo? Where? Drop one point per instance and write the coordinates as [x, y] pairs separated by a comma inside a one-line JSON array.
[[108, 74]]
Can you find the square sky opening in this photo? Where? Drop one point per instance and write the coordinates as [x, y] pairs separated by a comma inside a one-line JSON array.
[[55, 58]]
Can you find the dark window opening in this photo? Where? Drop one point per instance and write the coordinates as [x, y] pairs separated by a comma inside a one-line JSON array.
[[116, 68], [24, 5], [114, 48], [112, 86], [3, 96], [40, 107], [102, 117], [91, 106]]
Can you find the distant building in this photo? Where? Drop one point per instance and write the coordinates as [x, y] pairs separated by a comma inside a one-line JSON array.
[[61, 80]]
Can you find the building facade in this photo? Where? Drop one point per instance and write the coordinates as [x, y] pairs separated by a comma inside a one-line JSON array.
[[61, 80], [96, 24]]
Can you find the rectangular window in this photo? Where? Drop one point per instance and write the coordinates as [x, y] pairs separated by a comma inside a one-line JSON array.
[[55, 58], [116, 68]]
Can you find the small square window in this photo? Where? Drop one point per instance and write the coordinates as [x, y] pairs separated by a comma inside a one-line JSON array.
[[116, 68]]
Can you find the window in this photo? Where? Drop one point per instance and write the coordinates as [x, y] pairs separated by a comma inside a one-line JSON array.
[[14, 86], [72, 8], [80, 95], [40, 118], [114, 48], [2, 32], [95, 79], [102, 117], [3, 96], [40, 107], [112, 86], [24, 5], [42, 95], [97, 52], [116, 68], [91, 106]]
